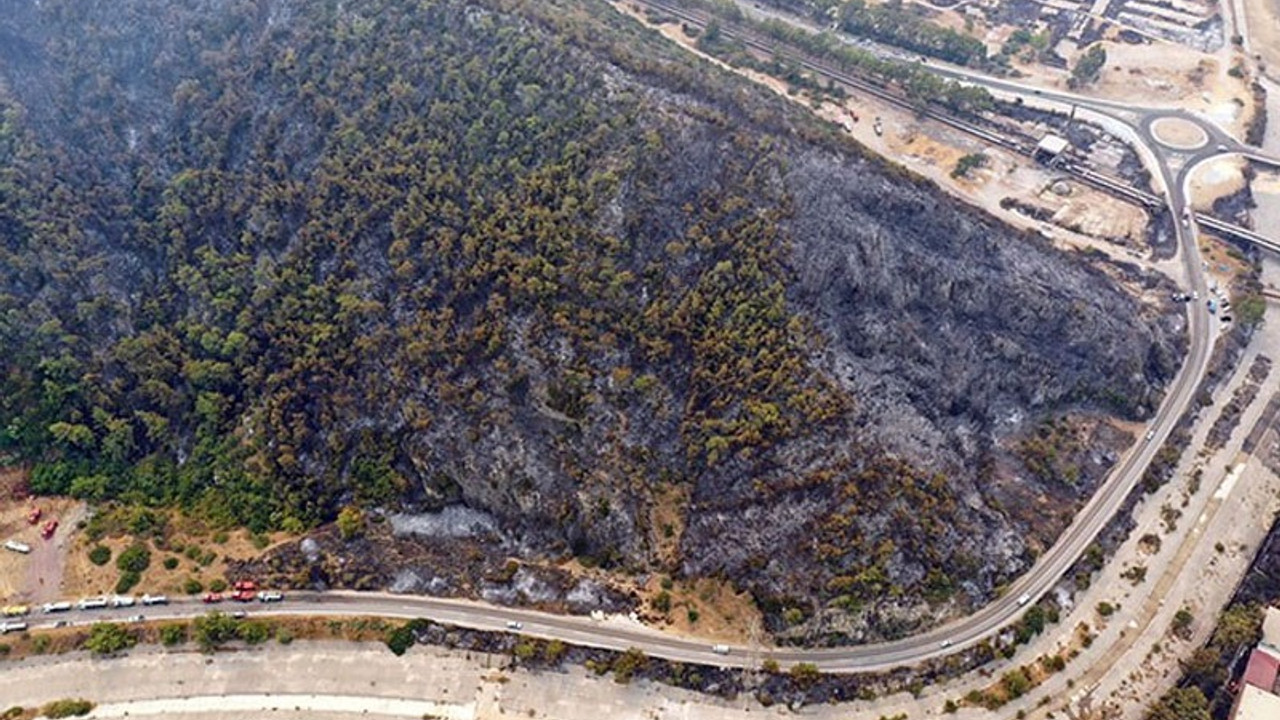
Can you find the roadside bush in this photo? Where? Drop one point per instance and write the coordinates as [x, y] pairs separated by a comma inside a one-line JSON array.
[[107, 638], [171, 635], [192, 586], [400, 639], [284, 636], [13, 713], [254, 632], [217, 585], [66, 708], [214, 630], [99, 555], [136, 558], [127, 581]]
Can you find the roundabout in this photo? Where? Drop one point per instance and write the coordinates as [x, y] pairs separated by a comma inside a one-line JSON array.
[[1179, 133]]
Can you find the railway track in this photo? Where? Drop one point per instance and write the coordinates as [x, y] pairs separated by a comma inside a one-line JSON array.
[[1014, 142]]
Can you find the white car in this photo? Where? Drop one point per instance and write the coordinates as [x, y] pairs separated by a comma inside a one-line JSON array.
[[514, 625], [268, 596], [1023, 599], [155, 600], [18, 547]]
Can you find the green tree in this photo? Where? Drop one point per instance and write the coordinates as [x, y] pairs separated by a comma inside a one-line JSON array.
[[1181, 704], [350, 522], [100, 555], [135, 558], [213, 630], [1088, 66], [66, 708], [107, 638]]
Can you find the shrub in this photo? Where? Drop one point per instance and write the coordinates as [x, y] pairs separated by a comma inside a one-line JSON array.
[[171, 563], [171, 635], [192, 586], [136, 558], [1106, 609], [400, 639], [106, 638], [127, 581], [99, 555], [254, 632], [66, 708], [214, 630], [284, 636], [217, 585]]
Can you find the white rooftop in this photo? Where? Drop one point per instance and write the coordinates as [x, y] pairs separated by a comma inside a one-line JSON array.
[[1053, 144], [1271, 629], [1257, 704]]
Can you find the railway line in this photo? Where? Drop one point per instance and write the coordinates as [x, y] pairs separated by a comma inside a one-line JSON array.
[[1019, 143]]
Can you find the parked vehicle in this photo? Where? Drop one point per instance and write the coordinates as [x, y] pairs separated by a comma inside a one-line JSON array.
[[244, 591], [16, 610], [92, 603], [212, 597], [155, 600], [269, 596], [49, 529], [34, 515], [13, 626], [18, 547], [54, 607], [122, 601]]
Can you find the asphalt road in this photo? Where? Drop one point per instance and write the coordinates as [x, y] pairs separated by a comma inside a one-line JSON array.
[[958, 634]]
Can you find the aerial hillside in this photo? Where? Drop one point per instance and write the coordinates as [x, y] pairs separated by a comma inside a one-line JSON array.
[[265, 259]]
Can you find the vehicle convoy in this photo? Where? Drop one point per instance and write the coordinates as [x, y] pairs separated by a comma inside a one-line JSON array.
[[18, 547]]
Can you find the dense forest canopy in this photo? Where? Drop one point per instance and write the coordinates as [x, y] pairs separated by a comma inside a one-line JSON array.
[[262, 259]]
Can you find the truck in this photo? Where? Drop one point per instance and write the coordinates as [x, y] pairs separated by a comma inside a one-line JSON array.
[[18, 547], [155, 600], [16, 610], [12, 626], [56, 607], [121, 601], [92, 603], [244, 591], [720, 649]]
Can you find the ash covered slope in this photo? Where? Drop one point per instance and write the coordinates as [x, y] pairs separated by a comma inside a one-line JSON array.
[[264, 259]]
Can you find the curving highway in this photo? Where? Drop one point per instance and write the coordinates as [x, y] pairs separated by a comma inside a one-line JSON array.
[[964, 632]]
